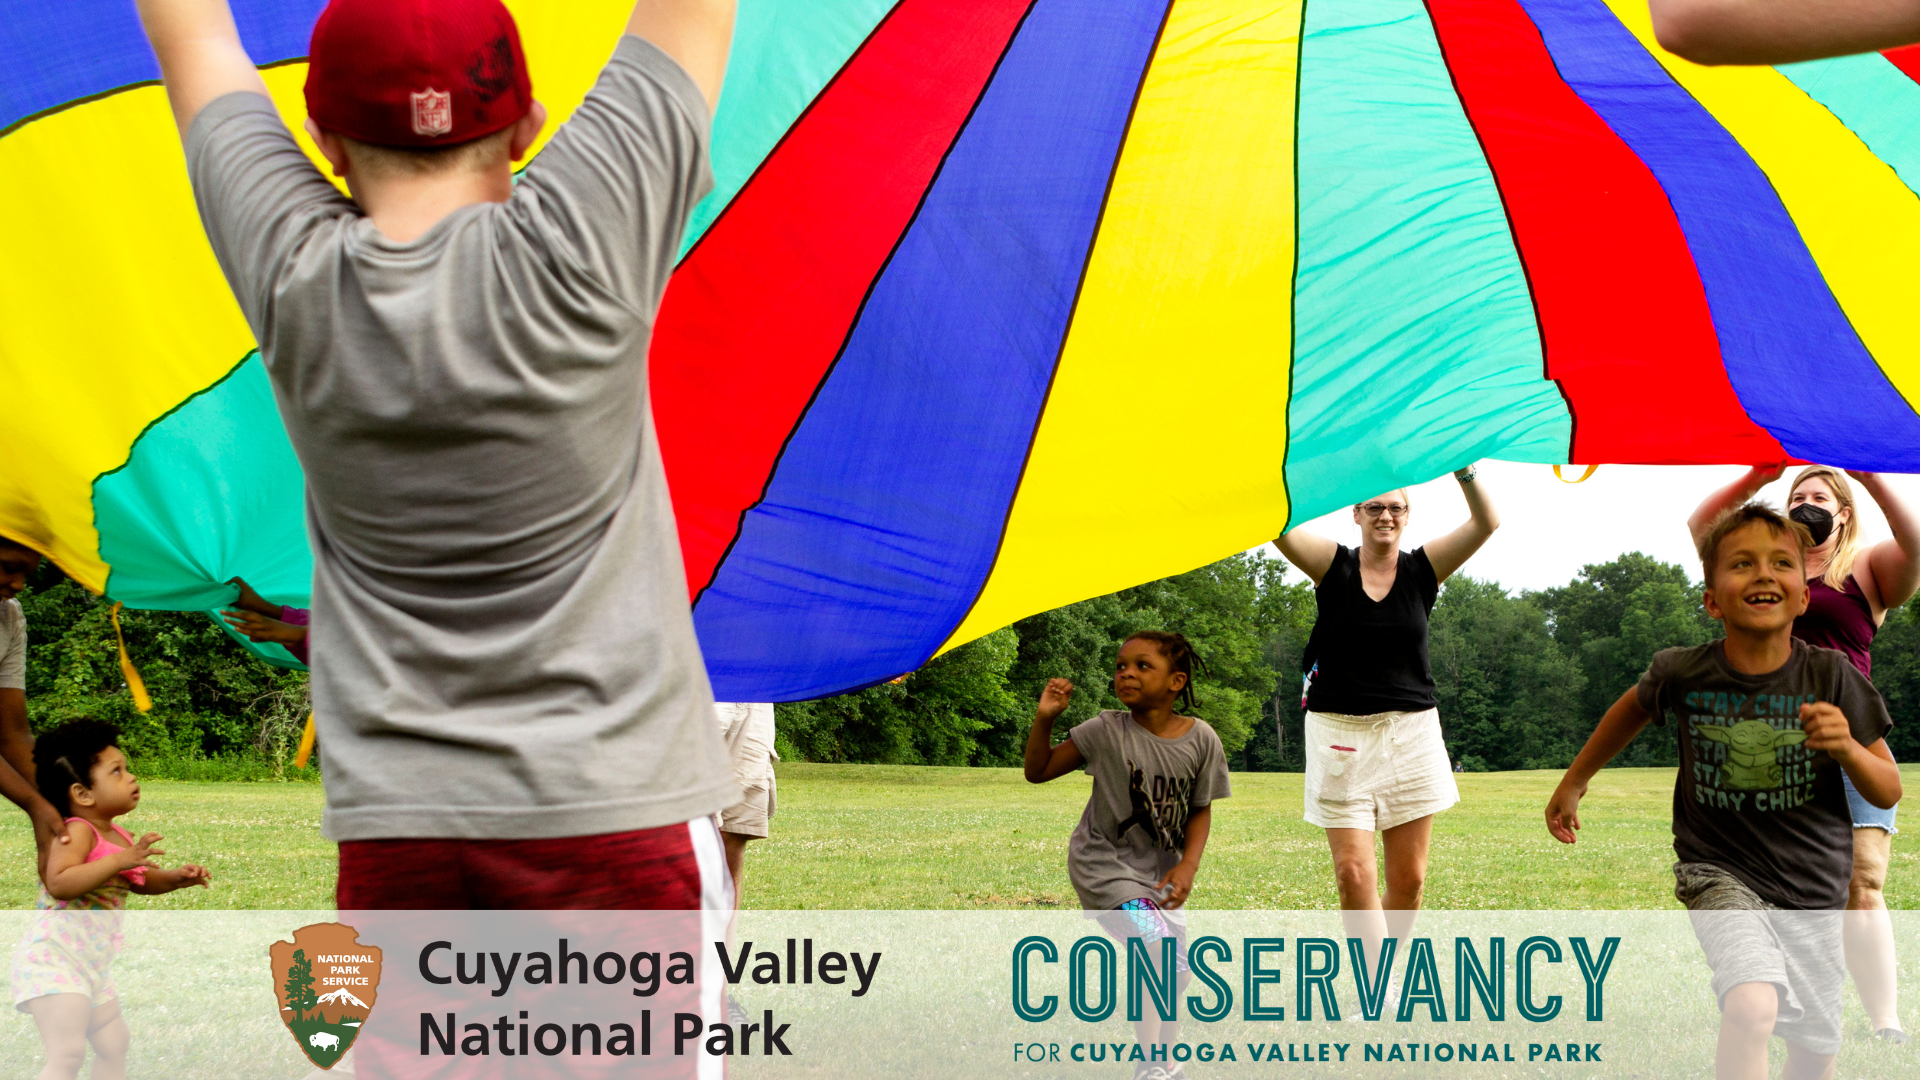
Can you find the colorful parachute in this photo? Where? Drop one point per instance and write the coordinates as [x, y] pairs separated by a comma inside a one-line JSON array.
[[999, 304]]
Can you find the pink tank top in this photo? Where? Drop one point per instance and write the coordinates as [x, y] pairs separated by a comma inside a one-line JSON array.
[[1839, 619], [102, 849]]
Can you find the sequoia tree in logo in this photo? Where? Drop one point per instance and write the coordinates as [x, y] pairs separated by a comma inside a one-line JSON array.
[[326, 982]]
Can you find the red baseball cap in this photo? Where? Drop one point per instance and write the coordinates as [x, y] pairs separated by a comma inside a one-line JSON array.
[[416, 72]]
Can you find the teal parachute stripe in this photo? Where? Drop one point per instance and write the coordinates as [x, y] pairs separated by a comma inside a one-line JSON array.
[[1409, 294], [210, 488], [783, 56], [1877, 102]]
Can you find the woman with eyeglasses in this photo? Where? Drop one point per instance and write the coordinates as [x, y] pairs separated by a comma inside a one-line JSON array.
[[1376, 762]]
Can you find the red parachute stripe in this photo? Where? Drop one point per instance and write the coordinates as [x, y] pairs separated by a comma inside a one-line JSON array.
[[785, 269], [1907, 59], [1623, 316]]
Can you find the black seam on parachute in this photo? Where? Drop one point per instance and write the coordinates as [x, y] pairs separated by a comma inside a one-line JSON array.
[[853, 324], [154, 423], [1865, 350], [111, 91], [1293, 281], [798, 121], [1519, 251], [1073, 313]]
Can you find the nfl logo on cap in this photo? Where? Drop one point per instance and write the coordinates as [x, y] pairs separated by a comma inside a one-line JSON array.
[[432, 112], [416, 72]]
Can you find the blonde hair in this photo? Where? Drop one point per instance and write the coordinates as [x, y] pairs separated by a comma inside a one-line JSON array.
[[1739, 517], [474, 155], [1406, 498], [1846, 539]]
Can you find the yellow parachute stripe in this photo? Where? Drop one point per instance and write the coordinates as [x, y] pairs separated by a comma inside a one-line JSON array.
[[1188, 289], [1859, 221], [111, 282]]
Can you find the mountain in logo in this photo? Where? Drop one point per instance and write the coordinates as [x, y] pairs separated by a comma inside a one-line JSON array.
[[327, 983]]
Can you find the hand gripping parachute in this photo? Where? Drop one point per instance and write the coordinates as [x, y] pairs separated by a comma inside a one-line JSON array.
[[1000, 304]]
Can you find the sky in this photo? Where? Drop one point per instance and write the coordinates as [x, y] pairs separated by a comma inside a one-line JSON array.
[[1549, 529]]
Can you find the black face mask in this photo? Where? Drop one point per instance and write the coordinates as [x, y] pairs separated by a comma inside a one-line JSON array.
[[1819, 522]]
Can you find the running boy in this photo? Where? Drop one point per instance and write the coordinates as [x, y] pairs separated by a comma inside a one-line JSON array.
[[504, 669], [1155, 776], [1760, 821]]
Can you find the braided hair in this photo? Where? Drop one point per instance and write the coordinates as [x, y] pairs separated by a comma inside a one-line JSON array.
[[1180, 655], [66, 755]]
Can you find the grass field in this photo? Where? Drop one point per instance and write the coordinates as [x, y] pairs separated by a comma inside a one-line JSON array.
[[879, 837]]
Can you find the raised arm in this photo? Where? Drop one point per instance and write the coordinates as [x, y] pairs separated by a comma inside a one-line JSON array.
[[696, 33], [200, 54], [1731, 496], [1045, 761], [1312, 554], [1893, 564], [1781, 31], [1451, 551]]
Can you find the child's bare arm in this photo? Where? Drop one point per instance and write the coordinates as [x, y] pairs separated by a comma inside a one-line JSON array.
[[1730, 496], [1045, 761], [180, 877], [69, 875], [1616, 729], [1780, 31], [696, 33], [1199, 825], [1871, 768], [201, 57]]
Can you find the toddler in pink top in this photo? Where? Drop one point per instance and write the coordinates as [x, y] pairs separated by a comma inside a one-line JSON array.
[[62, 971]]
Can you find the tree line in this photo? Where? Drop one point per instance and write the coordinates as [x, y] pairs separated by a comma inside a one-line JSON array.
[[1522, 678]]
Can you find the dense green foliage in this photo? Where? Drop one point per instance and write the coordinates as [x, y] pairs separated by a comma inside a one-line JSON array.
[[1522, 679], [217, 712], [974, 705]]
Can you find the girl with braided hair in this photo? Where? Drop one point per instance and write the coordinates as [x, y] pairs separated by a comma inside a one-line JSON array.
[[1155, 773]]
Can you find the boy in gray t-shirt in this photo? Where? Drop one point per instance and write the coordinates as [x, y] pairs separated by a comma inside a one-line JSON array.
[[1155, 773], [502, 648], [1767, 725]]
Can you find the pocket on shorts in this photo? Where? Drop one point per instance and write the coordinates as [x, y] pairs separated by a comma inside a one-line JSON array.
[[1333, 764]]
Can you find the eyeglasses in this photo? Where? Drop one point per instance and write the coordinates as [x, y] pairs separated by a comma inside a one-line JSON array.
[[1374, 510]]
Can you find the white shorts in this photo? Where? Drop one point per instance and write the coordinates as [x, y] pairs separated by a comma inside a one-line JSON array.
[[1376, 772], [747, 729]]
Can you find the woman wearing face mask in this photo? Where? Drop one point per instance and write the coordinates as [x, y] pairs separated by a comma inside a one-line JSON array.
[[1375, 758], [1850, 590]]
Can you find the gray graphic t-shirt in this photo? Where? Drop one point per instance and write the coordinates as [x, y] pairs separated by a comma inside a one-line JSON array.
[[1751, 798], [1134, 829], [501, 639]]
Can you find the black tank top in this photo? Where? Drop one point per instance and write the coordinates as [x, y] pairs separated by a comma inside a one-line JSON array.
[[1372, 655]]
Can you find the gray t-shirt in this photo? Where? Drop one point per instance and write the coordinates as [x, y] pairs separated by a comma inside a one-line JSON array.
[[13, 646], [1750, 797], [1134, 829], [501, 641]]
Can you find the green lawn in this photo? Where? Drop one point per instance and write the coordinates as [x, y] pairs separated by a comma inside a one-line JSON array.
[[867, 836]]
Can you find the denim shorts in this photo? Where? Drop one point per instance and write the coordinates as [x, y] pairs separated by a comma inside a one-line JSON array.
[[1865, 814]]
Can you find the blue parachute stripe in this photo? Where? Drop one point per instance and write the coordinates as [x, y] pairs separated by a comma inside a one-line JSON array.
[[884, 515], [63, 51], [1780, 328]]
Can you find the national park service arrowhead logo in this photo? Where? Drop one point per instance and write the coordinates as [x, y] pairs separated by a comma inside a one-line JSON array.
[[326, 982]]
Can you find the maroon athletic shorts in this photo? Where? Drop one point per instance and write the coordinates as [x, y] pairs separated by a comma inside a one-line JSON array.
[[674, 867]]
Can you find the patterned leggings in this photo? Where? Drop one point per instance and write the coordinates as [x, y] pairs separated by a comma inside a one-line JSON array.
[[1144, 919]]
